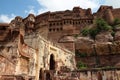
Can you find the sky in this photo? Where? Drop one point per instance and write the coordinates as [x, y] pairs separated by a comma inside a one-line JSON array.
[[12, 8]]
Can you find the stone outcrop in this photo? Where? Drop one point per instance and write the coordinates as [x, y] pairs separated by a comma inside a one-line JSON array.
[[104, 37], [117, 33], [84, 45], [102, 48], [87, 45]]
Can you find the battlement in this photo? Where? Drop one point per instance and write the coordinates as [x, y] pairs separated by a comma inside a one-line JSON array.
[[76, 13]]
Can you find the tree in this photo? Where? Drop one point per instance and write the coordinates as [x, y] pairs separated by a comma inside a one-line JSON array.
[[93, 32], [116, 24], [102, 25]]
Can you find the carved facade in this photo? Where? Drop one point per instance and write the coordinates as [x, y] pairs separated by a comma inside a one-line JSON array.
[[56, 25], [24, 52], [61, 24], [28, 54]]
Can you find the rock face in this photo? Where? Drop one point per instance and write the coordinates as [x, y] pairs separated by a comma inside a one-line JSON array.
[[117, 33], [104, 37], [102, 48], [98, 51], [101, 45], [109, 16], [84, 45]]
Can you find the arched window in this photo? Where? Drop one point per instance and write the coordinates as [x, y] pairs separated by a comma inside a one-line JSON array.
[[73, 23], [50, 24], [40, 74], [57, 23], [61, 28], [50, 30], [61, 23], [57, 29], [70, 22], [52, 62], [53, 29], [54, 24]]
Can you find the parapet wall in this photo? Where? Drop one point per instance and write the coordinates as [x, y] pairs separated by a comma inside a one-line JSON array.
[[91, 74]]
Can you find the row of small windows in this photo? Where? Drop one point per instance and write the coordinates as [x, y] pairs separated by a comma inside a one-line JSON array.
[[71, 22], [3, 28], [55, 23], [55, 29]]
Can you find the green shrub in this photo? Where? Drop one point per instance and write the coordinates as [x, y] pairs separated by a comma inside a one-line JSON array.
[[76, 35], [116, 21], [102, 25], [93, 32], [79, 54], [116, 24], [81, 65], [85, 31]]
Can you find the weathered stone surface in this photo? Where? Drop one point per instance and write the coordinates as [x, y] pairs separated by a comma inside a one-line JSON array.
[[4, 63], [104, 37], [112, 48], [84, 44], [27, 52], [102, 49], [117, 46], [109, 16], [117, 33]]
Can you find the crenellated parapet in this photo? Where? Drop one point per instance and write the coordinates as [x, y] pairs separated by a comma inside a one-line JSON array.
[[77, 17]]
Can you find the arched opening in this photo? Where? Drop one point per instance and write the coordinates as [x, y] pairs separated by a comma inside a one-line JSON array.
[[41, 74], [48, 77], [52, 62]]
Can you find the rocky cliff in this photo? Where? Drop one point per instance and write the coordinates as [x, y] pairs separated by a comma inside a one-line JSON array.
[[103, 49]]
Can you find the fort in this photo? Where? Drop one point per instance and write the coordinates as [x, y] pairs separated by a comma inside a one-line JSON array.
[[49, 46]]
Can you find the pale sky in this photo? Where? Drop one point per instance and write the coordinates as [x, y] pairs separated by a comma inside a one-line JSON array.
[[11, 8]]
